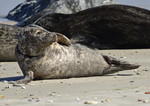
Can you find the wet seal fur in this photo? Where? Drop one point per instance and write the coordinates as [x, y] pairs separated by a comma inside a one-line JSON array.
[[47, 55], [103, 27]]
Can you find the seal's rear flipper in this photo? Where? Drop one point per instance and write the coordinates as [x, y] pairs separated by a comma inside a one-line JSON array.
[[118, 65]]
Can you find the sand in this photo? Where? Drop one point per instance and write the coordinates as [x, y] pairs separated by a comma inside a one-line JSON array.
[[119, 89]]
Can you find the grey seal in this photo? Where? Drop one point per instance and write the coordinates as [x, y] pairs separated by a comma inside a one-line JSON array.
[[103, 27], [8, 42], [48, 55]]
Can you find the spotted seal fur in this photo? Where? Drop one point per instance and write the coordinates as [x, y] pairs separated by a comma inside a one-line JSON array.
[[48, 55], [8, 42]]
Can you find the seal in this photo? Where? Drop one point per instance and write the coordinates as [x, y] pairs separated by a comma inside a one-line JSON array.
[[103, 27], [48, 55], [8, 42]]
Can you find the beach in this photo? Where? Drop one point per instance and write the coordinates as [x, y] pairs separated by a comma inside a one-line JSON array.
[[122, 88], [125, 88]]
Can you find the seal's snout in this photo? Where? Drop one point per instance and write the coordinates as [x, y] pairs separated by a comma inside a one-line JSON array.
[[50, 37]]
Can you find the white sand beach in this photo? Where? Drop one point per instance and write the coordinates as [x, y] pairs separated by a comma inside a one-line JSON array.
[[119, 89]]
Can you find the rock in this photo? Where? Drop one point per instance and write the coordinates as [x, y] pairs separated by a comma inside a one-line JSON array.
[[38, 8]]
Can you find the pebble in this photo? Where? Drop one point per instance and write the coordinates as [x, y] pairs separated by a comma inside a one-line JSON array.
[[23, 87], [95, 98], [19, 73], [30, 100], [32, 94], [78, 99], [5, 81], [2, 96], [145, 70], [107, 100], [145, 101], [8, 87], [70, 84], [38, 100], [147, 92], [136, 72], [91, 102], [140, 100], [123, 57], [137, 91], [131, 81], [50, 101], [52, 94]]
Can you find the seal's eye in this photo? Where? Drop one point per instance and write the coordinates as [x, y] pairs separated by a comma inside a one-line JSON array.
[[38, 32]]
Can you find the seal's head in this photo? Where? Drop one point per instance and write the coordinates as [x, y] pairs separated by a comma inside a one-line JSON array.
[[33, 40]]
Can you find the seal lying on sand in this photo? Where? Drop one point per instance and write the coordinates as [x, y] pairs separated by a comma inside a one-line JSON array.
[[103, 27], [8, 42], [47, 55]]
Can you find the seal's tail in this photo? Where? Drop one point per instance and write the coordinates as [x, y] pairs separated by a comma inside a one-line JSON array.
[[118, 65]]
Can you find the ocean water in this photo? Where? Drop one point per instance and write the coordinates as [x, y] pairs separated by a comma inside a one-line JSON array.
[[7, 5], [140, 3]]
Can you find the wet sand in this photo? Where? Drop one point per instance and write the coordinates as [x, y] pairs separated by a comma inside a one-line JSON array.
[[122, 88]]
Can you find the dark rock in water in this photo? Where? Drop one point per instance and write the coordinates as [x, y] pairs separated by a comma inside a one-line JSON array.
[[26, 9], [103, 27], [8, 42], [38, 8]]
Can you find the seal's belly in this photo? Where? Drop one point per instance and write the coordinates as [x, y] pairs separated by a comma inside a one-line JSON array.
[[69, 67]]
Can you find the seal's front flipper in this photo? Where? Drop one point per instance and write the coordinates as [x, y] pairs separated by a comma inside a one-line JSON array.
[[118, 65], [62, 39], [28, 78]]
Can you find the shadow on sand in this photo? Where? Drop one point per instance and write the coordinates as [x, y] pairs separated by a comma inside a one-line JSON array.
[[21, 77], [11, 78]]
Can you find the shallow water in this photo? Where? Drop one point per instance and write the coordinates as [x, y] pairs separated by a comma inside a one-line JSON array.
[[7, 5]]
